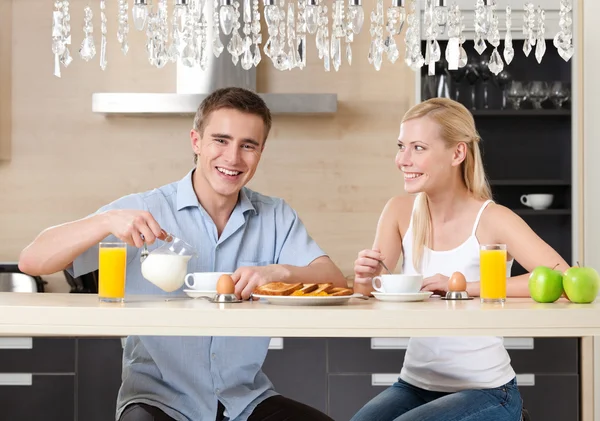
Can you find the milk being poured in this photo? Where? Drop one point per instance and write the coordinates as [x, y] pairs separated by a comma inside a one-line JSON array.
[[166, 271]]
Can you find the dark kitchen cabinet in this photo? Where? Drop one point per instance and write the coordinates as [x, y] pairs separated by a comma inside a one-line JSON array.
[[99, 363]]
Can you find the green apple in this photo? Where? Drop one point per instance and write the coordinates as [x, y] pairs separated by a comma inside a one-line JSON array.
[[545, 284], [581, 284]]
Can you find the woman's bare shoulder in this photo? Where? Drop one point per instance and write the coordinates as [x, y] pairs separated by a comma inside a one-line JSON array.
[[399, 208], [497, 217], [401, 204]]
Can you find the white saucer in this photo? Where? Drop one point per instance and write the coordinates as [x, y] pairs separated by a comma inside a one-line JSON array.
[[402, 297], [195, 293]]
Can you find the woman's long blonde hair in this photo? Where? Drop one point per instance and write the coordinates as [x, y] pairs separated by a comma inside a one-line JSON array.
[[457, 125]]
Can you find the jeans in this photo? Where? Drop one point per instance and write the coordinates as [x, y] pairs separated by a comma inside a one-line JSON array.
[[404, 402]]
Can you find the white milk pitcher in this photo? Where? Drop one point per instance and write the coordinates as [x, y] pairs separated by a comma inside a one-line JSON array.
[[166, 266]]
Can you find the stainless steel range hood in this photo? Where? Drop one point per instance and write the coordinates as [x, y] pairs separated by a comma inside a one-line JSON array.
[[194, 84]]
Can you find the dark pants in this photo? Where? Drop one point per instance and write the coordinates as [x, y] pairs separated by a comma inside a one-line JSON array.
[[275, 408]]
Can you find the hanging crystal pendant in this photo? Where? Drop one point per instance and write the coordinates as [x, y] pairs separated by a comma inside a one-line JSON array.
[[481, 26], [563, 40], [540, 48], [217, 45], [528, 28], [103, 31], [58, 44], [87, 51], [123, 29], [256, 34], [509, 51], [236, 44]]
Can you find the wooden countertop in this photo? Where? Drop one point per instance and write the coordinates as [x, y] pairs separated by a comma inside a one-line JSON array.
[[24, 314]]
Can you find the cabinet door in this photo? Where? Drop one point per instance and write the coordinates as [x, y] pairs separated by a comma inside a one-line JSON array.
[[37, 355], [99, 363], [544, 355], [350, 392], [552, 397], [37, 397], [366, 355], [298, 370]]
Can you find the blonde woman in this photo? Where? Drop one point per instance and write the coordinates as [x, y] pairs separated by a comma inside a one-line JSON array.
[[437, 230]]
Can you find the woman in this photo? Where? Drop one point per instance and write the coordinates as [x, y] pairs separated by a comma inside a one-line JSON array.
[[438, 231]]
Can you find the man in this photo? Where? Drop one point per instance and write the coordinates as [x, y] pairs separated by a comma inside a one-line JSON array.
[[258, 238]]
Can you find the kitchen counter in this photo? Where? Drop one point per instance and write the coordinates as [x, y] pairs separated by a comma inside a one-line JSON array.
[[83, 315]]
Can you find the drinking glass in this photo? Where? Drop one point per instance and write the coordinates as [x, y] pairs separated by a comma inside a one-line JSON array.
[[538, 93], [112, 264], [516, 94], [492, 268], [559, 93]]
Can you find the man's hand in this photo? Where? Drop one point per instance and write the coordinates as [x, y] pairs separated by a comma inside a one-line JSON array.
[[130, 225], [247, 278]]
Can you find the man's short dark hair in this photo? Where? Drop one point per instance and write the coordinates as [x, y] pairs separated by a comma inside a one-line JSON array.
[[238, 99]]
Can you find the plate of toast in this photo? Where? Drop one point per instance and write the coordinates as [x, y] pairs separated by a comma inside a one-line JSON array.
[[297, 294]]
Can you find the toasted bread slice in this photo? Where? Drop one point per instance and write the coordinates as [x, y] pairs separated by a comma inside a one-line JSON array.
[[340, 291], [277, 288], [306, 289], [322, 288]]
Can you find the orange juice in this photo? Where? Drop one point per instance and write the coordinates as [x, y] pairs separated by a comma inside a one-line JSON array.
[[492, 267], [112, 261]]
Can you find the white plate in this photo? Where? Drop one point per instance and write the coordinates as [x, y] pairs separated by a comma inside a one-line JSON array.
[[194, 293], [402, 297], [299, 300]]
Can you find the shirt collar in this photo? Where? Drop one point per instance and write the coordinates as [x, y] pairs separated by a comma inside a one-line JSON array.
[[186, 196]]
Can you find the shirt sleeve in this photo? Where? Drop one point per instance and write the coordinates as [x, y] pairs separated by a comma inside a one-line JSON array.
[[294, 245], [88, 261]]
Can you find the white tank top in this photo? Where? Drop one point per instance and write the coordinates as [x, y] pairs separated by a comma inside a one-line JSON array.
[[451, 364]]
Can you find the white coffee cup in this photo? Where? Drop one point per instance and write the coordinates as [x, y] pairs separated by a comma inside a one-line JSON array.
[[398, 283], [537, 201], [203, 281]]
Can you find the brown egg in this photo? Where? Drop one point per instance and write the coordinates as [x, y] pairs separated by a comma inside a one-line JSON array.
[[457, 282], [225, 285]]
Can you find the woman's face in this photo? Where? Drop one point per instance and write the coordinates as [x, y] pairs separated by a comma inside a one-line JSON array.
[[424, 158]]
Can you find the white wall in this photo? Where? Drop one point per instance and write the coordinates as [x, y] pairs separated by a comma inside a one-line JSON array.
[[590, 125]]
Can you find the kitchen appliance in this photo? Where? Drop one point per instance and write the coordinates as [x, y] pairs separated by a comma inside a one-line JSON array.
[[12, 279]]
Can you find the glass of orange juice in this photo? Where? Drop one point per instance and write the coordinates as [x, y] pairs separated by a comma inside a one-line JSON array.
[[492, 268], [112, 262]]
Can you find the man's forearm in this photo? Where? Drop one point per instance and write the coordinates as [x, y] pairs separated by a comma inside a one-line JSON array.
[[316, 273], [56, 247]]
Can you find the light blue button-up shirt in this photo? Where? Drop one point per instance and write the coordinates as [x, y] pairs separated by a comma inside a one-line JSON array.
[[186, 376]]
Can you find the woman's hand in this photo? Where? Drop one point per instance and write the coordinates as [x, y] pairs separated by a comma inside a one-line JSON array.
[[437, 283], [366, 266]]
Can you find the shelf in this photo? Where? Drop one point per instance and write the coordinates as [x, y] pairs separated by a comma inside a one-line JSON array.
[[525, 182], [521, 113], [548, 212]]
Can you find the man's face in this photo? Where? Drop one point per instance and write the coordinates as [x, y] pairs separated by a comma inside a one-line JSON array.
[[229, 149]]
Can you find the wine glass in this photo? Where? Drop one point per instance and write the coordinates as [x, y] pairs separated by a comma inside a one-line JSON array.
[[559, 93], [538, 93], [485, 74], [472, 75], [503, 80], [516, 94]]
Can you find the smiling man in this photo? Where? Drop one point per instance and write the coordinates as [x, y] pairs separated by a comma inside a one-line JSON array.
[[259, 238]]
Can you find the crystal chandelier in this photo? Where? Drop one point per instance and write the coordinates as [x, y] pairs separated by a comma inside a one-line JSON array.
[[179, 30]]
